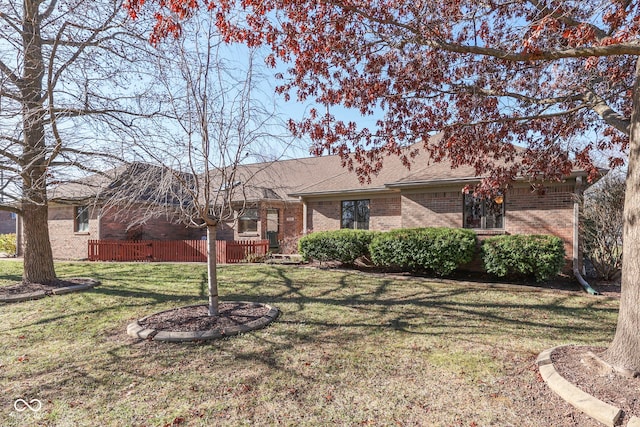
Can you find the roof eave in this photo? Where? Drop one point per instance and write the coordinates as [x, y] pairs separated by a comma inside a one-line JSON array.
[[375, 190], [432, 183], [466, 180]]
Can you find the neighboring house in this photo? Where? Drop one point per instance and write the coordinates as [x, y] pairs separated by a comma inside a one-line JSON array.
[[283, 200], [77, 214], [7, 222]]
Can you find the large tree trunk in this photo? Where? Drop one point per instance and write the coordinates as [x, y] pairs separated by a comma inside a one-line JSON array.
[[38, 259], [624, 351], [211, 270]]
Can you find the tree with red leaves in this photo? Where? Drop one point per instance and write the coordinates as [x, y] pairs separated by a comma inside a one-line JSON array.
[[557, 77]]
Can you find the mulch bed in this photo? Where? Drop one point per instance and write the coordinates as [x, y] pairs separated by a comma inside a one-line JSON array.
[[573, 364], [196, 318]]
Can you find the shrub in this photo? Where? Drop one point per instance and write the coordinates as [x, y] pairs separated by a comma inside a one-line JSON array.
[[541, 256], [339, 245], [441, 250], [8, 244]]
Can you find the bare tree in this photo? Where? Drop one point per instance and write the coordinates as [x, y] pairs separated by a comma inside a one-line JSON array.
[[602, 223], [67, 100], [215, 122]]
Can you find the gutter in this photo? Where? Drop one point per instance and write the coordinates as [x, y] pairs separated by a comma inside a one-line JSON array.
[[576, 235], [366, 191], [466, 180]]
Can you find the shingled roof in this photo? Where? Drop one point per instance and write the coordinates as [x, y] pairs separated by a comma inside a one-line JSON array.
[[288, 180], [325, 175], [136, 181], [393, 173]]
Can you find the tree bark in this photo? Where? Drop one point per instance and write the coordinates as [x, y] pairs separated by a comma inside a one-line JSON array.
[[624, 351], [38, 257], [211, 270]]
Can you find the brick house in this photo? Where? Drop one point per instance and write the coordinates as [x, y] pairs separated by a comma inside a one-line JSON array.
[[432, 196], [286, 199], [322, 195], [77, 215]]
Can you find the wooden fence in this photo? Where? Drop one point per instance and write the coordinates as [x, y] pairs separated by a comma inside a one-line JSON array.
[[175, 250]]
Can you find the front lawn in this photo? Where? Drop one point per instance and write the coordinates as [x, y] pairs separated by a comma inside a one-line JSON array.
[[348, 349]]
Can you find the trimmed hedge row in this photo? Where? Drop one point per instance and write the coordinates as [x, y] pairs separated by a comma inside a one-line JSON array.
[[439, 250], [340, 245], [539, 255]]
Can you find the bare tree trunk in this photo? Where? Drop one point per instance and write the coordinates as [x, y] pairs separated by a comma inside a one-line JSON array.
[[38, 259], [624, 350], [211, 270]]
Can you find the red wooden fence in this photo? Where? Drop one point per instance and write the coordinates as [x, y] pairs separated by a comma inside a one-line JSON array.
[[175, 250]]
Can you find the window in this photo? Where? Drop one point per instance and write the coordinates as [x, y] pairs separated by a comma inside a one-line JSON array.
[[483, 213], [248, 221], [272, 220], [272, 228], [81, 223], [355, 214]]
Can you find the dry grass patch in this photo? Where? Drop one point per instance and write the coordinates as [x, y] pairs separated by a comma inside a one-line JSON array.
[[348, 349]]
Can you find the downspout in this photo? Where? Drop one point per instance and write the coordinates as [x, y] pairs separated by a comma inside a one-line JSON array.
[[576, 236], [304, 216]]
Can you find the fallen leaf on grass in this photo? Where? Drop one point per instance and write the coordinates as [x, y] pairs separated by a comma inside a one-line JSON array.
[[176, 421]]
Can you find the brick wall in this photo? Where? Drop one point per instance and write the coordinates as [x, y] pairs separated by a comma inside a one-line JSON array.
[[384, 213], [65, 242], [525, 212], [323, 215], [290, 228], [551, 213], [432, 209], [7, 223], [68, 244], [122, 226], [289, 225]]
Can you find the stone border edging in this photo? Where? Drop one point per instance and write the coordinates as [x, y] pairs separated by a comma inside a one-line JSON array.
[[135, 330], [603, 412], [58, 291]]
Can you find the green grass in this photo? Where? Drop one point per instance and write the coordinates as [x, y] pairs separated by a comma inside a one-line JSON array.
[[348, 349]]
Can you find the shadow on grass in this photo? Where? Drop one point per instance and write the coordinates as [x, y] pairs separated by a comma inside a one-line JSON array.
[[16, 278], [145, 294], [126, 298], [459, 309], [364, 304], [333, 312]]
